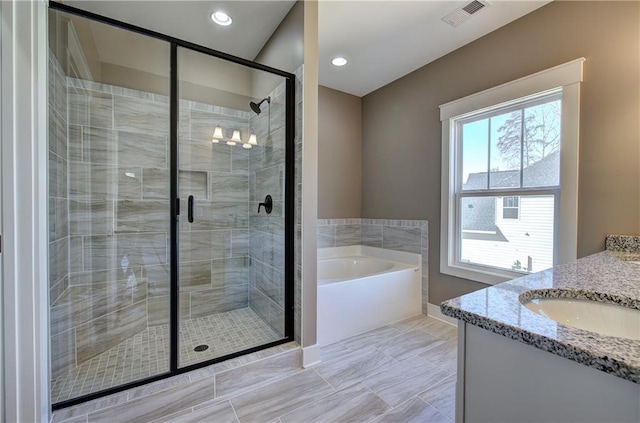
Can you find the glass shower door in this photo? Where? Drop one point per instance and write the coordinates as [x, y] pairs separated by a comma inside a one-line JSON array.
[[231, 185], [167, 183], [109, 214]]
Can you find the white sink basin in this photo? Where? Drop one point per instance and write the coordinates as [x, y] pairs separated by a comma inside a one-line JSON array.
[[594, 316]]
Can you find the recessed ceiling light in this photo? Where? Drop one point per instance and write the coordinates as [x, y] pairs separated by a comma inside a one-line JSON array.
[[338, 61], [221, 18]]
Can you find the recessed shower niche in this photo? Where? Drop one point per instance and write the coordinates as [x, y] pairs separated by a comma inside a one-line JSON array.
[[157, 164]]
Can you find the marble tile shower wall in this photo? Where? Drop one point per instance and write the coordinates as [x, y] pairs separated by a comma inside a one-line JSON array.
[[58, 207], [266, 234], [411, 236], [118, 202], [214, 249]]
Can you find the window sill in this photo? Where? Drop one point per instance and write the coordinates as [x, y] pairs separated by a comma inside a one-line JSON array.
[[479, 274]]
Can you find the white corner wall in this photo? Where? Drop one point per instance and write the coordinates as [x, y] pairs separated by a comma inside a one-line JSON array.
[[310, 175], [23, 147]]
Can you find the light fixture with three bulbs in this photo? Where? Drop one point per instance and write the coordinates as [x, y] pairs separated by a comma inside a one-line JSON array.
[[235, 138]]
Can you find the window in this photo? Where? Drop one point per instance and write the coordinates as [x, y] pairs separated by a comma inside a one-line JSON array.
[[510, 207], [507, 209]]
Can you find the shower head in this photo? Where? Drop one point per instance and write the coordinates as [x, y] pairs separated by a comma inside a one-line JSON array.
[[256, 107]]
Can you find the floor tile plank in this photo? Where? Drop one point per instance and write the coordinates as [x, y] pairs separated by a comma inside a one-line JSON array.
[[353, 367], [281, 397], [157, 405], [408, 344], [405, 380], [414, 411], [221, 412], [442, 396], [353, 404]]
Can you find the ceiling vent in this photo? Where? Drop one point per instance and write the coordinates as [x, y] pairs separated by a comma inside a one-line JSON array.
[[462, 14]]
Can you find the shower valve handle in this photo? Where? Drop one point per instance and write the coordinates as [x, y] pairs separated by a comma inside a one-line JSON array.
[[268, 204]]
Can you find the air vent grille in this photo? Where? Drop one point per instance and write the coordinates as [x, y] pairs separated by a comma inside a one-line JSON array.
[[473, 7], [462, 14]]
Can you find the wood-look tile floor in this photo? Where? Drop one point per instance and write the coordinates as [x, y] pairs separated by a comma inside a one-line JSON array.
[[404, 372]]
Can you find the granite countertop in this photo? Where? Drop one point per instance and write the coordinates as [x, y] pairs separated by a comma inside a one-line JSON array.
[[611, 276]]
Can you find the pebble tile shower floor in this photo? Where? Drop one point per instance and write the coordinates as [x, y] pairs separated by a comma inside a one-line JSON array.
[[147, 353]]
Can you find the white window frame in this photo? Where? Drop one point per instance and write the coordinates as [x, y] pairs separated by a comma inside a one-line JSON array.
[[504, 197], [566, 77]]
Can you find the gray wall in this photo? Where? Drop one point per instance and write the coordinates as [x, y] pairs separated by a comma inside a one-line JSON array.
[[406, 112], [340, 150], [284, 50]]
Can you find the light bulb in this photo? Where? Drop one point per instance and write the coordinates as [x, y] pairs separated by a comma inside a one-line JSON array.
[[339, 61], [221, 18]]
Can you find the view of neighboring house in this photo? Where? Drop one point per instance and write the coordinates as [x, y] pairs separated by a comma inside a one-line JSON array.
[[511, 232]]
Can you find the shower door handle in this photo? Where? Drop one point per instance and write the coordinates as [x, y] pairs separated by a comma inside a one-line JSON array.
[[190, 209]]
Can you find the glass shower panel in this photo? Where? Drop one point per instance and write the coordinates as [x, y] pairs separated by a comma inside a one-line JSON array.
[[231, 237], [108, 206]]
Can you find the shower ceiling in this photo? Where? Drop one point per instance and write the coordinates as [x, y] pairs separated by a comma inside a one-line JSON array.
[[253, 21]]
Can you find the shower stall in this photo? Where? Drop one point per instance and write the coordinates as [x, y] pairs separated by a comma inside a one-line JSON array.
[[171, 171]]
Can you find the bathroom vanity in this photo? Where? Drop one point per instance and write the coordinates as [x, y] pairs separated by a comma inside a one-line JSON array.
[[515, 365]]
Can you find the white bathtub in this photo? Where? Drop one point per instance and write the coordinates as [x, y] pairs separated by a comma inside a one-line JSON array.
[[362, 288]]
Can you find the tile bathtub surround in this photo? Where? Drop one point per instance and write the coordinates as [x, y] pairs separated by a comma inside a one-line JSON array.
[[603, 277], [402, 235], [258, 387], [625, 243]]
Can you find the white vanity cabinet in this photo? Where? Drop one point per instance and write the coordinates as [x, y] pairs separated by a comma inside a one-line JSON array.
[[504, 380]]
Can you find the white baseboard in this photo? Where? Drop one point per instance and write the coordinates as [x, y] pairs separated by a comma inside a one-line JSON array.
[[434, 311], [310, 356]]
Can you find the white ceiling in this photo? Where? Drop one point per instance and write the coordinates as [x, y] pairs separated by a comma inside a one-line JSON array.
[[383, 39], [253, 21]]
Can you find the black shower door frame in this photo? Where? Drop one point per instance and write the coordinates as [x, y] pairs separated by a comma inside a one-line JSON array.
[[289, 203]]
